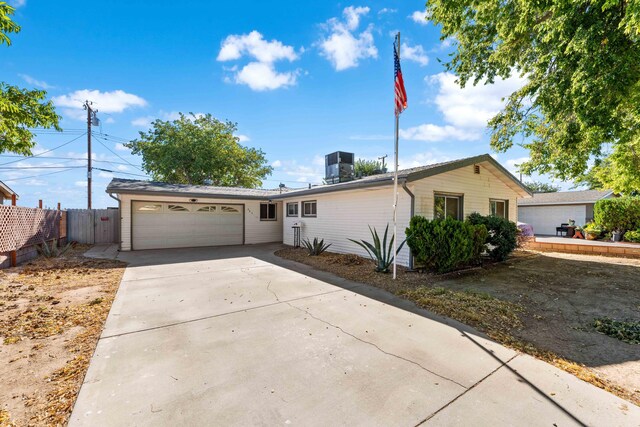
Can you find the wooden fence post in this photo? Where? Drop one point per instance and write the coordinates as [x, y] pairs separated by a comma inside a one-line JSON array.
[[40, 203], [13, 200]]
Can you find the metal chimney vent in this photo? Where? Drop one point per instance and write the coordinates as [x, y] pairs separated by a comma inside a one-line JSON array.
[[339, 167]]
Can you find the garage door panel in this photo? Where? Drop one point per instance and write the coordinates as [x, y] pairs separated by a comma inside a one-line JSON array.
[[172, 226], [545, 219]]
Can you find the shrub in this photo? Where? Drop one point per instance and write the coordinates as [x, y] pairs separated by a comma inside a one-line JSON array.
[[316, 247], [627, 331], [502, 234], [380, 252], [632, 236], [620, 214], [52, 251], [445, 244]]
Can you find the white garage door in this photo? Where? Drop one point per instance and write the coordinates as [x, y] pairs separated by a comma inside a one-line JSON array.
[[158, 225], [545, 219]]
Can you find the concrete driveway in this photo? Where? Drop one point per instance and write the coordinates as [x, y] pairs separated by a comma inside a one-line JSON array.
[[237, 336]]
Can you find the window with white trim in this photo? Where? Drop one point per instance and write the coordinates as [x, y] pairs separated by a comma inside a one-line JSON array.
[[292, 209], [499, 208], [268, 211], [445, 205], [151, 207], [309, 208]]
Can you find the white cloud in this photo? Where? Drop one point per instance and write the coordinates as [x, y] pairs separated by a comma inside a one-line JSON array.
[[243, 138], [261, 74], [17, 3], [276, 164], [414, 53], [121, 147], [436, 133], [308, 172], [422, 159], [471, 106], [386, 10], [142, 122], [108, 102], [466, 111], [80, 183], [342, 47], [122, 168], [34, 82], [512, 165], [254, 45], [420, 17]]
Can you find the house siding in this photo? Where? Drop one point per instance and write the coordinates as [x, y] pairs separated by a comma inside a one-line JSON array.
[[344, 215], [476, 189], [255, 231]]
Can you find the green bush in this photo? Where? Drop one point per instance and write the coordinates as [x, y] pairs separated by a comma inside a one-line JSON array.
[[445, 244], [502, 234], [621, 213], [632, 236]]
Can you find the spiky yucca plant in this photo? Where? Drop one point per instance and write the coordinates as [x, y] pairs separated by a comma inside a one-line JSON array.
[[316, 247], [380, 252], [52, 251]]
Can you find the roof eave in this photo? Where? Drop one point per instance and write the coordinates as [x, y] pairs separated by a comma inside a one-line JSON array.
[[188, 194], [332, 189]]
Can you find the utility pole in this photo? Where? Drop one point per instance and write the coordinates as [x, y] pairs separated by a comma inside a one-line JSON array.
[[382, 160], [91, 118]]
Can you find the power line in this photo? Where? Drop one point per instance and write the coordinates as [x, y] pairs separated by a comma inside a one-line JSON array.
[[66, 158], [119, 172], [36, 176], [45, 152], [116, 154], [38, 167]]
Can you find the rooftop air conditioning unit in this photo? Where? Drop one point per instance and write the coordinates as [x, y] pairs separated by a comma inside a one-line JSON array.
[[339, 167]]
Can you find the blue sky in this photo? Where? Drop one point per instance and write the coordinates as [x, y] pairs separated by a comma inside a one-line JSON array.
[[301, 79]]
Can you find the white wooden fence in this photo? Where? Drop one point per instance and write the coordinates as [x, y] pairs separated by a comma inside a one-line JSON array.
[[93, 225]]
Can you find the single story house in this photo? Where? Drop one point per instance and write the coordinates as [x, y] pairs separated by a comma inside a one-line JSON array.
[[546, 211], [159, 215], [6, 193]]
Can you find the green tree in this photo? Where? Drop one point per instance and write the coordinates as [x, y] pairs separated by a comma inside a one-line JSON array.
[[21, 109], [198, 150], [365, 167], [620, 171], [541, 187], [580, 62]]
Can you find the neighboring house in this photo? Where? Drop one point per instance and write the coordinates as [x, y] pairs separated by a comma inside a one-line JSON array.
[[156, 215], [546, 211], [6, 193]]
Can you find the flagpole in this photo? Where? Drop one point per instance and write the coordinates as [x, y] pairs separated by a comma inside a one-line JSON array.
[[395, 178]]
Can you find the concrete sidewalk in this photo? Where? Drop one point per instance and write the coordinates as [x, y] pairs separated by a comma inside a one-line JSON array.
[[237, 336]]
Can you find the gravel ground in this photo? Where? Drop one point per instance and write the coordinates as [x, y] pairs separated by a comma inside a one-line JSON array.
[[51, 314]]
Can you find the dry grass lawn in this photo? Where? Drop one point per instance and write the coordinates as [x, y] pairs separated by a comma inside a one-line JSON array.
[[51, 314], [540, 304]]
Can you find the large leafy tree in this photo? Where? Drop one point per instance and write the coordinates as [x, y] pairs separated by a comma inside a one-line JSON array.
[[580, 62], [199, 149], [20, 109], [364, 167]]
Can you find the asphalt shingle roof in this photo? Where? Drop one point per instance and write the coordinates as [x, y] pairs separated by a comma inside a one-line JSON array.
[[132, 186], [564, 197]]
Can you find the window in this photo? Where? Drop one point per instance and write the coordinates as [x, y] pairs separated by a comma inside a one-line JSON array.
[[228, 209], [309, 208], [267, 211], [177, 208], [207, 209], [150, 208], [447, 206], [499, 208], [292, 209]]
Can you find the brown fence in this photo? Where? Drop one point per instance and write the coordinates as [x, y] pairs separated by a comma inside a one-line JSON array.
[[93, 225], [22, 228]]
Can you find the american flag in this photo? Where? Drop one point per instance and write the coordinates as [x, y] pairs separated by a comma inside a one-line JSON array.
[[401, 94]]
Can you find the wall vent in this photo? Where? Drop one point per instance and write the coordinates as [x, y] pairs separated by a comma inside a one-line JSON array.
[[476, 169]]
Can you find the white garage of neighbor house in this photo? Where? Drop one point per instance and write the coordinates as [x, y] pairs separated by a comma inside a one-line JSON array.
[[157, 215], [546, 211]]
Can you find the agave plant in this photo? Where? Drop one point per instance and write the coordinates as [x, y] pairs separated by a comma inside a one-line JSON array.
[[52, 251], [316, 247], [380, 252]]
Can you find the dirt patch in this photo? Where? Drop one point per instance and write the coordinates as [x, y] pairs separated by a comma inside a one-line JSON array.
[[541, 304], [51, 314]]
